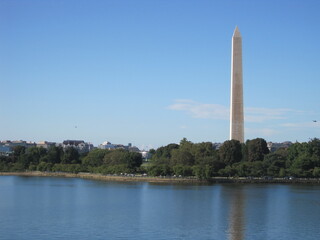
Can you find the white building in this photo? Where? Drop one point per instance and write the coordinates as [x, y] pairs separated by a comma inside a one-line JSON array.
[[108, 145], [145, 155], [80, 145]]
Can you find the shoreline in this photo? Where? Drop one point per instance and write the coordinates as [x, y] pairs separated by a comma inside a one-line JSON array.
[[171, 180], [107, 178]]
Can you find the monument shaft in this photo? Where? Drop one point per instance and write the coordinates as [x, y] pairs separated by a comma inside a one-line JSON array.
[[236, 106]]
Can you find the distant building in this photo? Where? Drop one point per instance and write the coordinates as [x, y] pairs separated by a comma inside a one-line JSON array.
[[275, 146], [216, 145], [46, 144], [133, 149], [80, 145], [7, 146], [108, 145], [5, 150], [146, 155], [12, 144]]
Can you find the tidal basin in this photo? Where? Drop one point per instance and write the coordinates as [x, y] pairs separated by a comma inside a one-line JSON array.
[[73, 208]]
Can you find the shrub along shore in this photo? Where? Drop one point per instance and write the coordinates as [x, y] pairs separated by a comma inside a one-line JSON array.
[[187, 162]]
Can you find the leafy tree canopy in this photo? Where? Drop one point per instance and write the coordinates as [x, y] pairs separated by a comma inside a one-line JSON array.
[[256, 149], [230, 152]]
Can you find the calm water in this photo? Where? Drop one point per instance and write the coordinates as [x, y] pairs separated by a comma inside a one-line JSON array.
[[35, 208]]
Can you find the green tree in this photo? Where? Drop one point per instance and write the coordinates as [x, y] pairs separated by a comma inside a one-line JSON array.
[[26, 156], [164, 152], [6, 163], [186, 145], [316, 172], [159, 170], [130, 160], [273, 163], [94, 158], [71, 168], [213, 162], [246, 169], [202, 150], [182, 170], [241, 169], [244, 151], [70, 156], [302, 166], [44, 166], [18, 151], [256, 149], [203, 171], [294, 151], [23, 162], [35, 153], [314, 151], [55, 155], [256, 169], [133, 160], [181, 157], [115, 157], [282, 172], [228, 171], [230, 152]]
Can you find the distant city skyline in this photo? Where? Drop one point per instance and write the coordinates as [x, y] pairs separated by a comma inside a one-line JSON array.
[[153, 72]]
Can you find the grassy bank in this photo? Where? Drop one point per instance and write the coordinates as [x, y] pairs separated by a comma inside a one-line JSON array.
[[105, 177], [181, 180]]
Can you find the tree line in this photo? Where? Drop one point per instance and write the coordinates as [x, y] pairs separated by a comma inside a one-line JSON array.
[[57, 159], [203, 160], [233, 159]]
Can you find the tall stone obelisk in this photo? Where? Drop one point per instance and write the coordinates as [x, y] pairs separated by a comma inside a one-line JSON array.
[[236, 105]]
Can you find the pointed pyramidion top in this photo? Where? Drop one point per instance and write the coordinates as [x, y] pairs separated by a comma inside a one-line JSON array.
[[236, 32]]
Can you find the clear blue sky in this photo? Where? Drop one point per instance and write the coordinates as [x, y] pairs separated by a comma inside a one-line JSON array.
[[151, 72]]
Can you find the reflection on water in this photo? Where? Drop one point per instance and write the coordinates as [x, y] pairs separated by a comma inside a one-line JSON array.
[[236, 215], [77, 209]]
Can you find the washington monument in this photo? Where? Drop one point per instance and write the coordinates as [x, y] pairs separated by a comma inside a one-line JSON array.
[[236, 104]]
